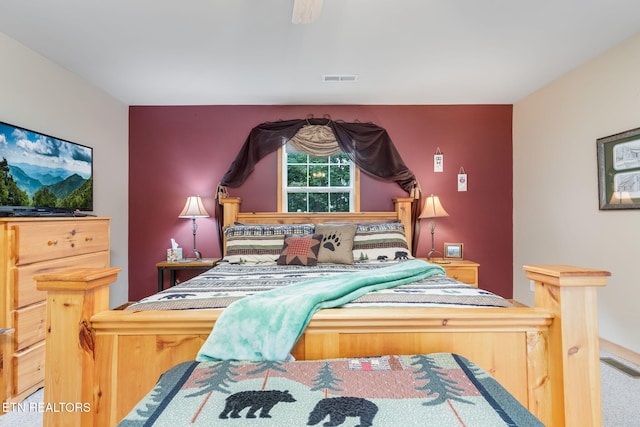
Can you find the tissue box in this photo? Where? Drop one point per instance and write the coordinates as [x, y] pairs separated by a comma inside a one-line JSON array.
[[173, 255]]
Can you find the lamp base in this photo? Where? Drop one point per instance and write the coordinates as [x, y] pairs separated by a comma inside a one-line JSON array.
[[432, 252], [197, 254]]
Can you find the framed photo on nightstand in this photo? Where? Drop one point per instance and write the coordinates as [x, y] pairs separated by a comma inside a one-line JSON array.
[[453, 250]]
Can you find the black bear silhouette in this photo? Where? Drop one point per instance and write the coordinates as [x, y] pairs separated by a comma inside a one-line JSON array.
[[401, 255], [254, 400], [339, 408], [176, 296]]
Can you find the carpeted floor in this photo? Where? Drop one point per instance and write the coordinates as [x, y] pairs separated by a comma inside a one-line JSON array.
[[25, 418], [620, 395]]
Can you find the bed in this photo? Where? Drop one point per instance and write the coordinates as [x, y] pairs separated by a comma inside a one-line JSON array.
[[545, 356]]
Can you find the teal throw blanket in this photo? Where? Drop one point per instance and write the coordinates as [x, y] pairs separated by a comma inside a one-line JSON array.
[[266, 326]]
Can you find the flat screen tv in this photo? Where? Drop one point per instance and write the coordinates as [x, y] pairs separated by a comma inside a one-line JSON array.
[[41, 174]]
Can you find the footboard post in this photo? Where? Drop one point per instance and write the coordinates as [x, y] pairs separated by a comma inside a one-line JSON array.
[[73, 296], [570, 294]]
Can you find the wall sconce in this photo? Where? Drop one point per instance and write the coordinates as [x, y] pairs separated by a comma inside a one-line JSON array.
[[433, 209], [194, 209], [620, 198]]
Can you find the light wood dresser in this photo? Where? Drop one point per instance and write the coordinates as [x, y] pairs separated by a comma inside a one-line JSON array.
[[32, 246]]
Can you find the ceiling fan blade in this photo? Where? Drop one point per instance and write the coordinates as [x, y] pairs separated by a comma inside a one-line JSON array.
[[305, 11]]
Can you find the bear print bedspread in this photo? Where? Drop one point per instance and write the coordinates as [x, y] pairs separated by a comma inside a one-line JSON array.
[[438, 389]]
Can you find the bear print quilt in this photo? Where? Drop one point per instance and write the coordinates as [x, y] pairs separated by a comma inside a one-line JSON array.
[[439, 389]]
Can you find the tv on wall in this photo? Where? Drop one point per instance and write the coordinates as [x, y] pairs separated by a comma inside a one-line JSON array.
[[43, 175]]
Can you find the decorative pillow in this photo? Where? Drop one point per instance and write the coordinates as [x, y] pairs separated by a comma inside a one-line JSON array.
[[380, 241], [259, 243], [300, 250], [337, 243]]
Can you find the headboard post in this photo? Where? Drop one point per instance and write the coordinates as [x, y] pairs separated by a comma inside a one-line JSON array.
[[230, 209], [403, 209]]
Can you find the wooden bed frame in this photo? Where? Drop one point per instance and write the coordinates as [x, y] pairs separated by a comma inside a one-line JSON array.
[[546, 356]]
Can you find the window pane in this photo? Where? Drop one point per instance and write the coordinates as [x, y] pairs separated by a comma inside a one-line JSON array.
[[340, 158], [318, 176], [313, 159], [310, 181], [340, 175], [297, 202], [296, 157], [339, 202], [297, 176], [318, 202]]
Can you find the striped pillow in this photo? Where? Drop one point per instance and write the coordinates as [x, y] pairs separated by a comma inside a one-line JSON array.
[[259, 243], [380, 241]]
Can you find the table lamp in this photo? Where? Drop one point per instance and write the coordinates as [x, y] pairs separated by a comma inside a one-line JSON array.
[[194, 209], [433, 209]]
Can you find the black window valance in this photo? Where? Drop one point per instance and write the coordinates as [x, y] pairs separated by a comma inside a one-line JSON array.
[[367, 145]]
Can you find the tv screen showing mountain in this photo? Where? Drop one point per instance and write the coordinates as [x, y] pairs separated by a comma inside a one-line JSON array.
[[41, 171]]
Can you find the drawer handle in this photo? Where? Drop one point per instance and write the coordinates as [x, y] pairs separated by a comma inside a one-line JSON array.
[[88, 239], [52, 242]]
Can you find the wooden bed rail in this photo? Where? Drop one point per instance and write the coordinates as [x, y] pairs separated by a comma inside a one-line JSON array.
[[90, 349]]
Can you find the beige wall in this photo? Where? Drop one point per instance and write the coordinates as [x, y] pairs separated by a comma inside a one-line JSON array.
[[39, 95], [556, 215]]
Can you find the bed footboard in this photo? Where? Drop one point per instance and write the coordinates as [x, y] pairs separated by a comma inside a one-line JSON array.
[[546, 356]]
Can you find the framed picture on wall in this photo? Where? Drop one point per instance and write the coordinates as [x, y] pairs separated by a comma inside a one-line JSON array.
[[619, 170], [453, 250]]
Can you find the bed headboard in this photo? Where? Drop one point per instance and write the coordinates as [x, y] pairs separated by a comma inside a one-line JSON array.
[[231, 213]]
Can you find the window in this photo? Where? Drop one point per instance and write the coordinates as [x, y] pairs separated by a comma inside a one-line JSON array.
[[317, 184]]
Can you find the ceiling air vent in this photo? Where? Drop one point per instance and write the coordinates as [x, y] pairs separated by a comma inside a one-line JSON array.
[[335, 78]]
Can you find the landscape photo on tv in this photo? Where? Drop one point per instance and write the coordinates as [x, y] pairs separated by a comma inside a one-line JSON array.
[[40, 171]]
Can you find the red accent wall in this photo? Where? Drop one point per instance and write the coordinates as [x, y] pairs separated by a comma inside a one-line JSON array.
[[178, 151]]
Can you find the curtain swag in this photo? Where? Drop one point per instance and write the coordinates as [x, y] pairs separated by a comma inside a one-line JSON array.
[[366, 144]]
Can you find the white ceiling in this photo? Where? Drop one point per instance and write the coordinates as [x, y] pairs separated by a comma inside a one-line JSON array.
[[188, 52]]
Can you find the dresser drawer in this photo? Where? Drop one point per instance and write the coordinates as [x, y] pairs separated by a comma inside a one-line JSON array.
[[24, 287], [28, 367], [46, 240], [30, 323], [463, 274]]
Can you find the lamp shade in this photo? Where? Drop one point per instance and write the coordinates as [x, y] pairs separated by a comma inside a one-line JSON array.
[[305, 11], [433, 208], [194, 208]]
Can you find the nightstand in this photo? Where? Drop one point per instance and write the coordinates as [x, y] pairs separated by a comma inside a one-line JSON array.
[[183, 264], [462, 270]]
